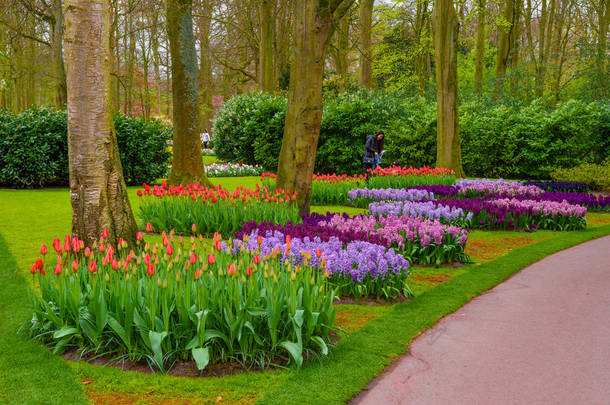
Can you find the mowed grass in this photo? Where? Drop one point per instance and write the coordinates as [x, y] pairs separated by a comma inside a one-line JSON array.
[[371, 335]]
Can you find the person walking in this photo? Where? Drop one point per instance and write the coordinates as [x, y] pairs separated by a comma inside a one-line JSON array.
[[371, 150], [205, 138]]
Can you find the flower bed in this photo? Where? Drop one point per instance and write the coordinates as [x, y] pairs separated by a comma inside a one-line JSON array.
[[596, 202], [427, 209], [222, 169], [362, 197], [213, 209], [333, 189], [419, 240], [360, 269], [326, 189], [402, 177], [562, 186], [496, 190], [519, 214], [179, 300]]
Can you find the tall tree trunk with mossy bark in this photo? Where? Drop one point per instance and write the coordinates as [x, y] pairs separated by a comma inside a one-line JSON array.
[[187, 165], [304, 114], [480, 48], [366, 55], [267, 78], [97, 188], [446, 28]]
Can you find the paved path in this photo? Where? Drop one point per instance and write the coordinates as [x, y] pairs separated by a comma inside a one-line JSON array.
[[541, 337]]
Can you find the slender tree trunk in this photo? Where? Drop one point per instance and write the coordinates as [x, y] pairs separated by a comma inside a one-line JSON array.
[[304, 113], [131, 56], [480, 48], [515, 40], [540, 65], [446, 28], [504, 46], [341, 54], [97, 189], [205, 68], [266, 80], [187, 164], [156, 57], [366, 55], [57, 49], [603, 16], [421, 35]]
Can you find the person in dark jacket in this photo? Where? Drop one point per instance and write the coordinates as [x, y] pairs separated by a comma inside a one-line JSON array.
[[372, 148]]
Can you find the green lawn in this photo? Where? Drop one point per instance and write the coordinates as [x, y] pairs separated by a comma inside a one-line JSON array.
[[370, 335]]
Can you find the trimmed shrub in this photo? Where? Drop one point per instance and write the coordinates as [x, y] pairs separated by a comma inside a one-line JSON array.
[[525, 142], [34, 148], [598, 176], [143, 148]]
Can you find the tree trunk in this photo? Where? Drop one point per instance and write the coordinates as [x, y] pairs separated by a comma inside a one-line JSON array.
[[187, 164], [446, 28], [603, 16], [366, 56], [540, 65], [504, 46], [57, 49], [513, 60], [340, 56], [304, 113], [480, 52], [205, 68], [266, 46], [422, 46], [97, 189], [131, 56]]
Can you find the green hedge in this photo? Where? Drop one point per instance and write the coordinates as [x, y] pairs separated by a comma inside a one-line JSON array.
[[499, 141], [34, 149]]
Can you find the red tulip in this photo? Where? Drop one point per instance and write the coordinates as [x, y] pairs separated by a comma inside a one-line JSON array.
[[87, 251], [193, 258], [194, 228], [147, 259], [150, 269], [57, 269], [169, 250], [105, 233], [249, 271], [57, 245], [211, 259], [43, 272], [217, 245], [39, 264], [115, 264], [259, 240], [43, 250], [148, 227], [34, 269], [101, 247], [318, 253], [139, 236], [74, 265], [93, 266], [257, 259], [139, 193], [197, 273]]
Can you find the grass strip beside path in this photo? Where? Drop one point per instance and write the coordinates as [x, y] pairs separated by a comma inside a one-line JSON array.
[[29, 372], [364, 354]]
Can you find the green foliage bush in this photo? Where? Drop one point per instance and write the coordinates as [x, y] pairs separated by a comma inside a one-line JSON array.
[[509, 141], [598, 176], [34, 148], [143, 148]]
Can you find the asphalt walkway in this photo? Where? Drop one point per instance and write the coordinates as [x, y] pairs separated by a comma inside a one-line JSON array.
[[541, 337]]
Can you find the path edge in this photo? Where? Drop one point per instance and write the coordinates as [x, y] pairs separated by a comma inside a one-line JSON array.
[[383, 340]]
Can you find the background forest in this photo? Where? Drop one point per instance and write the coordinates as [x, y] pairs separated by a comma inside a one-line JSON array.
[[532, 78]]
